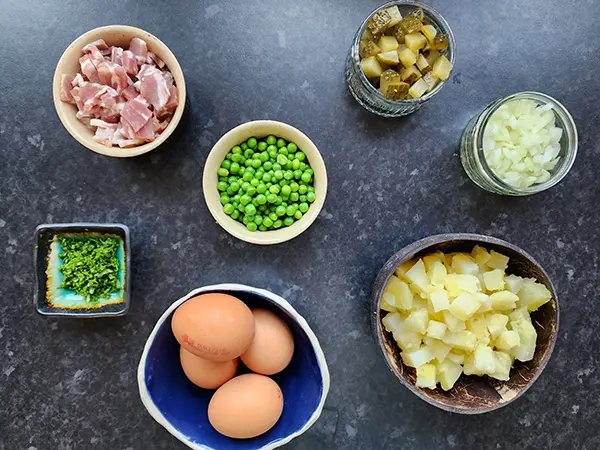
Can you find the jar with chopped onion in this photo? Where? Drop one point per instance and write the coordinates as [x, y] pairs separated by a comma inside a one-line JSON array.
[[519, 145]]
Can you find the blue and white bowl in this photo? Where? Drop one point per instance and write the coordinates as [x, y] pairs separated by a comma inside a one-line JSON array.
[[182, 408]]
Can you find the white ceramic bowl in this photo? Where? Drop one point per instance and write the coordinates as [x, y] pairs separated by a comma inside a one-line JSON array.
[[259, 129]]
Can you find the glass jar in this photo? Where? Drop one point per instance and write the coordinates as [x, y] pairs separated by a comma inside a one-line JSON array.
[[368, 95], [473, 158]]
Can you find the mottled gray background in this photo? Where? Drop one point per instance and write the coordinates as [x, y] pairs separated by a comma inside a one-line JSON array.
[[68, 384]]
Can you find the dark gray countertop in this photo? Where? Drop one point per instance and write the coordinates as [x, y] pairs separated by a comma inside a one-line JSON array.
[[69, 384]]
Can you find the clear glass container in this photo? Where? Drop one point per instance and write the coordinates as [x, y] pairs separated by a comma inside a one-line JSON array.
[[473, 158], [366, 94]]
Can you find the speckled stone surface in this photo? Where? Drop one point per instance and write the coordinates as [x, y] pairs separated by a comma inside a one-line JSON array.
[[68, 384]]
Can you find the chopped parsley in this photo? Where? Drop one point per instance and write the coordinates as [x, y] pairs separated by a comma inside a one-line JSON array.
[[90, 266]]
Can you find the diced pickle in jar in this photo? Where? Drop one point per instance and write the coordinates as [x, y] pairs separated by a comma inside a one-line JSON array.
[[388, 77], [368, 48], [379, 22], [411, 75], [396, 91], [440, 42], [411, 24]]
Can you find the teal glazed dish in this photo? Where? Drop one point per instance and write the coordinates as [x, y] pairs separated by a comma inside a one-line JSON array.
[[51, 298]]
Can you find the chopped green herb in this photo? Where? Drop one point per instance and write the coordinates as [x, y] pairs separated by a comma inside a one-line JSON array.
[[90, 266]]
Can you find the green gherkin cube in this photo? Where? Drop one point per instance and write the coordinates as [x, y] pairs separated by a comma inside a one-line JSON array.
[[396, 91], [379, 22], [410, 24], [440, 42], [417, 13]]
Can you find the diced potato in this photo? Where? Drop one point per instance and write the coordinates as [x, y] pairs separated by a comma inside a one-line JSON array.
[[484, 301], [464, 306], [388, 302], [503, 300], [396, 90], [430, 260], [368, 48], [520, 315], [503, 365], [463, 264], [442, 68], [422, 64], [533, 294], [426, 376], [403, 297], [395, 16], [418, 357], [371, 67], [439, 300], [429, 32], [417, 321], [393, 322], [480, 255], [497, 261], [387, 43], [448, 373], [418, 89], [379, 22], [438, 349], [437, 274], [496, 324], [418, 277], [478, 326], [456, 284], [436, 329], [408, 341], [403, 268], [407, 57], [452, 322], [415, 41], [411, 74], [527, 335], [463, 340], [390, 58], [494, 280], [456, 357], [508, 339], [484, 360], [469, 365], [513, 283]]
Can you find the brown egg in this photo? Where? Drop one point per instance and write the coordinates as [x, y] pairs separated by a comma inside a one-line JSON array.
[[246, 406], [217, 327], [204, 373], [273, 345]]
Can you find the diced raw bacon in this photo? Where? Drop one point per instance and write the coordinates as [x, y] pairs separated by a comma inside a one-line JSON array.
[[127, 129], [99, 44], [89, 95], [116, 55], [146, 69], [154, 87], [78, 80], [122, 141], [65, 88], [136, 112], [113, 75], [89, 69], [173, 100], [104, 132], [108, 52], [139, 49], [130, 62], [162, 126], [130, 93], [76, 97], [95, 53], [148, 131], [168, 76], [151, 58]]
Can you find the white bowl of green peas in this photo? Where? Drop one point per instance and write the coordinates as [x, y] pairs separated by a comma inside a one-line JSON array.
[[265, 182]]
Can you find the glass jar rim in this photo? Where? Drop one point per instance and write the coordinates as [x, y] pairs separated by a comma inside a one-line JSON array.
[[441, 24], [569, 132]]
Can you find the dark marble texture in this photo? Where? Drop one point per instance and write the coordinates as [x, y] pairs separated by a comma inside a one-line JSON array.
[[71, 384]]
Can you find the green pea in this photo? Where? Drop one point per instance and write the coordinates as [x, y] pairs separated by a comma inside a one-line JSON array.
[[237, 149], [274, 189], [295, 164], [246, 220], [276, 167], [311, 189], [235, 186], [236, 197], [222, 178], [267, 222], [277, 224], [222, 186], [252, 142], [292, 147], [259, 173], [269, 184], [302, 189], [254, 182], [247, 177], [251, 226], [262, 228], [281, 142], [263, 157], [261, 188], [258, 219], [311, 197], [303, 166], [245, 199], [251, 191], [288, 175], [294, 196], [303, 207], [266, 178], [268, 165], [236, 158], [284, 183], [284, 204], [283, 151], [242, 170], [228, 208], [235, 168], [261, 199], [271, 140], [229, 191], [278, 174], [235, 214], [248, 162], [262, 145], [288, 221], [225, 200], [298, 215], [261, 208], [250, 209], [228, 156], [273, 216], [306, 177], [286, 191], [302, 199], [297, 174], [271, 198], [300, 156], [248, 153], [226, 164], [271, 148], [294, 186], [309, 171], [280, 211], [244, 146], [290, 210], [256, 163], [282, 159]]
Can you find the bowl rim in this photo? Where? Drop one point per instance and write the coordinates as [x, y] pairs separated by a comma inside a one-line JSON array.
[[118, 152], [233, 287], [237, 229], [420, 245]]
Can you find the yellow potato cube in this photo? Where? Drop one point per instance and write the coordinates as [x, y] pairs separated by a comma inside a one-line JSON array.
[[407, 57], [519, 315], [371, 67], [496, 324], [437, 348], [480, 255], [417, 321], [513, 283], [469, 365], [436, 329], [438, 273], [393, 322], [408, 341], [418, 277], [508, 339], [503, 365], [478, 326], [533, 294], [429, 32], [390, 58], [484, 301], [456, 284], [403, 297], [430, 260], [442, 68], [418, 89], [448, 373], [415, 41], [439, 300], [464, 306], [494, 280], [497, 261], [403, 268], [418, 357], [503, 300], [463, 340], [426, 376], [453, 323], [387, 44], [456, 357], [463, 264], [388, 302], [483, 360], [527, 335]]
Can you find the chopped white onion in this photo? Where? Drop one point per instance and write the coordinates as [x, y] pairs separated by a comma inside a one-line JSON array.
[[521, 142]]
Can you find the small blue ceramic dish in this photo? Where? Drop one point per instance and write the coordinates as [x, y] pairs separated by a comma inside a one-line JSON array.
[[182, 408]]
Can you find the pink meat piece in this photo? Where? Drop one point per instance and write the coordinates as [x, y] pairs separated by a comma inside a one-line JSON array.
[[139, 49], [148, 131], [151, 58], [116, 55], [130, 93], [173, 101], [162, 126], [65, 88], [104, 131], [108, 52], [93, 51], [89, 95], [127, 129], [122, 141], [89, 69], [78, 80], [154, 87], [129, 62], [99, 44], [76, 97], [136, 112], [113, 75], [168, 76]]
